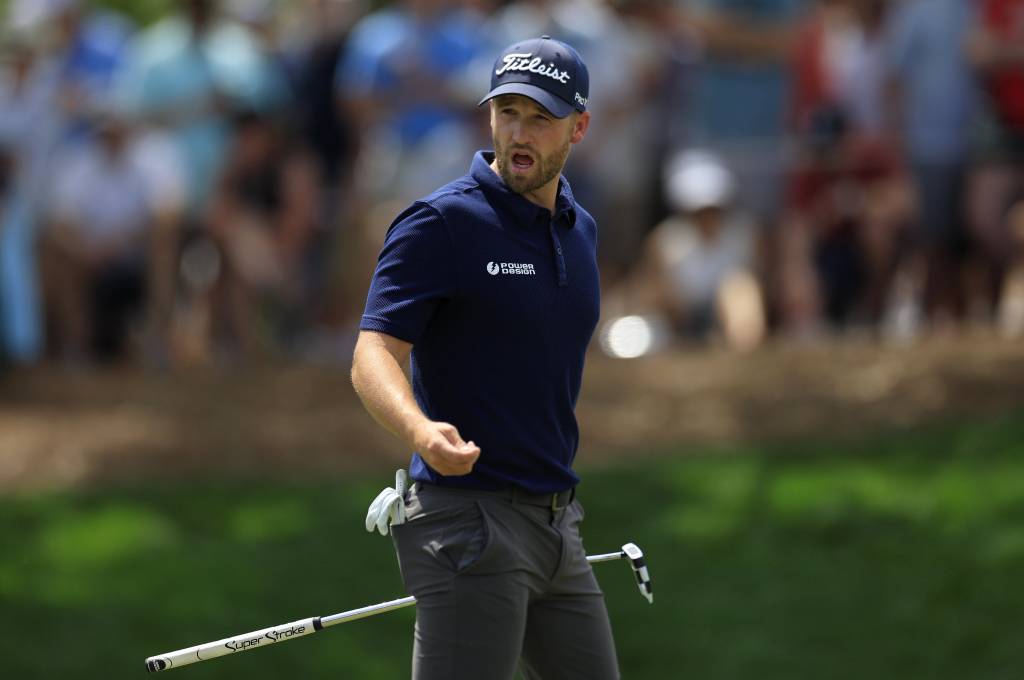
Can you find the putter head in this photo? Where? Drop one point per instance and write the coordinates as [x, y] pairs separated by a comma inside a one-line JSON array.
[[643, 578]]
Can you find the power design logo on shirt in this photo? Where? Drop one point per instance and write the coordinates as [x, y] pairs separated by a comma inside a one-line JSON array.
[[514, 268]]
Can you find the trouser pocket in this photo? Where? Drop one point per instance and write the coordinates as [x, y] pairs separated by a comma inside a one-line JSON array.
[[441, 538], [463, 539]]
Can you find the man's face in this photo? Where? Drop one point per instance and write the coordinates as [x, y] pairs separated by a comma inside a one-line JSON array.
[[530, 144]]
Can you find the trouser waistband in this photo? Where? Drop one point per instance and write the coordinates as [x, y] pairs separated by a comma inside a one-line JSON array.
[[558, 500]]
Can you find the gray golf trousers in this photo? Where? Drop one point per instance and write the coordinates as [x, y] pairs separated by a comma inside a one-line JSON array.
[[501, 584]]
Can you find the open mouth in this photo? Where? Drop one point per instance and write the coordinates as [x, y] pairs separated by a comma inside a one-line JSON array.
[[522, 161]]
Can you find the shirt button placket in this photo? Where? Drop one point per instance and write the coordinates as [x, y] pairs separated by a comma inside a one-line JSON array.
[[563, 278]]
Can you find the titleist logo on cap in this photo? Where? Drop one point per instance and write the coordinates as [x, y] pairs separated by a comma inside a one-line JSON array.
[[523, 62], [548, 71]]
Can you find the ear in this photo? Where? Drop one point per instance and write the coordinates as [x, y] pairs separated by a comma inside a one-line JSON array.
[[580, 126]]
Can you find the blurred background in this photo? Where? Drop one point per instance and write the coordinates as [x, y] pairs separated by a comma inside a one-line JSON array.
[[803, 399]]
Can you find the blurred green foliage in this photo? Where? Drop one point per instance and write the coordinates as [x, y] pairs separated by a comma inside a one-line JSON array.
[[142, 11], [897, 556]]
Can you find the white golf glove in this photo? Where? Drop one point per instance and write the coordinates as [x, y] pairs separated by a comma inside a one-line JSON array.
[[388, 508]]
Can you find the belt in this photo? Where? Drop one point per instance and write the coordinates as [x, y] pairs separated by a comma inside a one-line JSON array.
[[558, 500]]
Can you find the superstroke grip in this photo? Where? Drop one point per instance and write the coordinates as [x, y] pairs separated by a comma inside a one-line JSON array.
[[231, 645]]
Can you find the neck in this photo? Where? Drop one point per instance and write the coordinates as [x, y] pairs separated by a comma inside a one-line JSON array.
[[544, 196]]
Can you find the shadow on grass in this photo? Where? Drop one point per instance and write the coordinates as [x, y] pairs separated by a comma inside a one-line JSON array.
[[893, 557]]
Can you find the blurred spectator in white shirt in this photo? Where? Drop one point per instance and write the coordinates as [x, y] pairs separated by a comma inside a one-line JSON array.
[[110, 251], [699, 265]]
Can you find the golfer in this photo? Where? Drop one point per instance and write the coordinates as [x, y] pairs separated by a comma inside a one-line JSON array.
[[490, 285]]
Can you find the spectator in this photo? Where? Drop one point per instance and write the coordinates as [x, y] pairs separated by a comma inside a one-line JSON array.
[[186, 73], [109, 254], [740, 96], [699, 263], [262, 61], [400, 75], [615, 177], [262, 217], [31, 124], [1011, 304], [71, 62], [6, 194], [933, 101], [324, 127], [846, 193], [88, 48], [996, 49]]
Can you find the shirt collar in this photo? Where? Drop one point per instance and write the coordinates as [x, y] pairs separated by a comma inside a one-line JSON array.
[[524, 210]]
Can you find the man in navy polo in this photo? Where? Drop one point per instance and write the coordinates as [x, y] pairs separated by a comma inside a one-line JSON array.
[[490, 285]]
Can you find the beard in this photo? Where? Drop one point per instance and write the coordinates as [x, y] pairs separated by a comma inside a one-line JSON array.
[[545, 168]]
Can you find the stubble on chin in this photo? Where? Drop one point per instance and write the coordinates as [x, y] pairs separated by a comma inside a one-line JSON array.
[[545, 168]]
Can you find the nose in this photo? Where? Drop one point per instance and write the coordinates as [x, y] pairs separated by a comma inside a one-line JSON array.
[[520, 135]]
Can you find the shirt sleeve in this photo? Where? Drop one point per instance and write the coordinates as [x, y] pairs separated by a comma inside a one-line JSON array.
[[415, 273]]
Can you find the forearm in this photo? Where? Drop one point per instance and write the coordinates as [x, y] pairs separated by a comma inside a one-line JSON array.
[[383, 387], [385, 391]]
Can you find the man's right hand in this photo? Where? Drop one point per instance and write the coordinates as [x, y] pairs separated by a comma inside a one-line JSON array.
[[444, 450], [379, 381]]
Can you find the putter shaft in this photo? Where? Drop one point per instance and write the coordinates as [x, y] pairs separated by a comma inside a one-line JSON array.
[[391, 605], [363, 612], [303, 627]]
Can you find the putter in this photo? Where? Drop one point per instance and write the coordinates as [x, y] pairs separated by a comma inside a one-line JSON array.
[[303, 627]]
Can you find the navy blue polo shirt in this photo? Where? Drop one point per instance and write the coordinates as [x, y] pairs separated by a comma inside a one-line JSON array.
[[499, 299]]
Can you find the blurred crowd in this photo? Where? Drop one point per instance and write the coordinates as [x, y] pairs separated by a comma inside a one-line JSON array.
[[214, 185]]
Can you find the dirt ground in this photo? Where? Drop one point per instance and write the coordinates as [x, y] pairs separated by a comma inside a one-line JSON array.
[[61, 428]]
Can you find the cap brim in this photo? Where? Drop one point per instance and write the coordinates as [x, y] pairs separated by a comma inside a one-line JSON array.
[[559, 108]]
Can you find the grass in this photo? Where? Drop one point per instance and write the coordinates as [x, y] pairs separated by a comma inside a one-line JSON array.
[[896, 556]]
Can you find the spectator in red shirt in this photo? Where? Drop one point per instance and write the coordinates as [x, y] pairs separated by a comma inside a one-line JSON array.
[[996, 49]]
